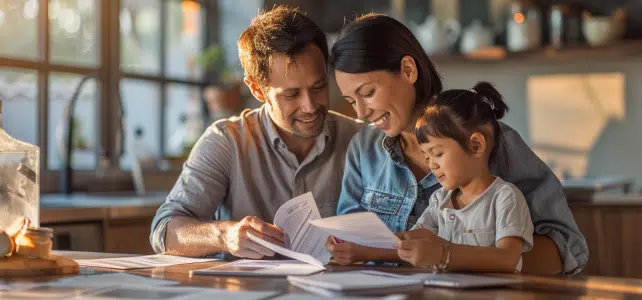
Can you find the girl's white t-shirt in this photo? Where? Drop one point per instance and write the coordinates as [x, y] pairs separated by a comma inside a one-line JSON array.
[[500, 211]]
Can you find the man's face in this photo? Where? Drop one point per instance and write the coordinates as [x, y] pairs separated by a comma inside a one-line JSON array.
[[297, 93]]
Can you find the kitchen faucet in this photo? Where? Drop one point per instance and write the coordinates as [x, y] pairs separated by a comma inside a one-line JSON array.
[[66, 184]]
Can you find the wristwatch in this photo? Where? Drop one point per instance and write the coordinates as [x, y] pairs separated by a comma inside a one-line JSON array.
[[442, 266]]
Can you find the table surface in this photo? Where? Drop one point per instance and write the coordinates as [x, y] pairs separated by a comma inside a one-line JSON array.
[[533, 287]]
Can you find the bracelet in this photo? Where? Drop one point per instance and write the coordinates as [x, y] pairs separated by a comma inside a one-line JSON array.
[[442, 266]]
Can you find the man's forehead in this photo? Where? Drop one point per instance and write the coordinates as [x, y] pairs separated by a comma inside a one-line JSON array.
[[306, 67]]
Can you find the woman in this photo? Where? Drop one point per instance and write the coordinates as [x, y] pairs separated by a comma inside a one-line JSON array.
[[385, 75]]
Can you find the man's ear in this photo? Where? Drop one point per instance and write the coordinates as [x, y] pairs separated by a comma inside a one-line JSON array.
[[255, 89], [478, 144]]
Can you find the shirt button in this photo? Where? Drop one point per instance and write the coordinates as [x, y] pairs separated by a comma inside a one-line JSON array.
[[412, 186], [451, 217]]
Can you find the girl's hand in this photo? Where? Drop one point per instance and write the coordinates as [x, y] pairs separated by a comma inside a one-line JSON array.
[[346, 253], [420, 252], [422, 234]]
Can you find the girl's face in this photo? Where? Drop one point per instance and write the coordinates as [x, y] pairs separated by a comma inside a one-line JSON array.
[[449, 162], [381, 97]]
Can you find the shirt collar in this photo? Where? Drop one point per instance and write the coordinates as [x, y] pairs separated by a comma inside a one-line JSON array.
[[392, 146], [273, 133]]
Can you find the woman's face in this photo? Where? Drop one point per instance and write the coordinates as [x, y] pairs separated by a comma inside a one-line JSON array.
[[381, 97]]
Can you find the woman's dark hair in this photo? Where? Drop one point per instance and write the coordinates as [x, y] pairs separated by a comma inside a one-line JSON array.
[[376, 42], [456, 114]]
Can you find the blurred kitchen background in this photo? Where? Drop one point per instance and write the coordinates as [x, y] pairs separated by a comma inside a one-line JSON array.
[[147, 76]]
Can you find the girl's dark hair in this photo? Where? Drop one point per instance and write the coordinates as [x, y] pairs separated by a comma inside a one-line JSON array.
[[456, 114], [376, 42]]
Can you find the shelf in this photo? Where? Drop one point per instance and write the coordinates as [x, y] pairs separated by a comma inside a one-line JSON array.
[[617, 52]]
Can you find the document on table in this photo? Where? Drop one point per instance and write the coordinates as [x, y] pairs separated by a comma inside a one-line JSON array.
[[111, 279], [354, 280], [323, 296], [176, 293], [68, 287], [303, 241], [453, 280], [249, 267], [140, 262], [363, 228], [133, 292]]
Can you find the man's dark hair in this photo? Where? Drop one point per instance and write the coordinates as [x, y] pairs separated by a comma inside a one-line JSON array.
[[283, 30]]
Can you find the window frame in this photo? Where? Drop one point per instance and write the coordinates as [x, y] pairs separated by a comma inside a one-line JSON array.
[[108, 76]]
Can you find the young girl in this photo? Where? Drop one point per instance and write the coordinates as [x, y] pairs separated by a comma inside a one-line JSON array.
[[485, 218]]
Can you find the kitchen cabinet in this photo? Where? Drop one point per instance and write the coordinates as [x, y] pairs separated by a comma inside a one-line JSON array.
[[612, 234]]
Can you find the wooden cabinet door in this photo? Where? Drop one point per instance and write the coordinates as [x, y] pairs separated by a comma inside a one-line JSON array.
[[128, 236]]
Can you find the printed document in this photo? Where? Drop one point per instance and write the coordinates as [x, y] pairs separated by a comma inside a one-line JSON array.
[[363, 228], [303, 241], [140, 262], [248, 267]]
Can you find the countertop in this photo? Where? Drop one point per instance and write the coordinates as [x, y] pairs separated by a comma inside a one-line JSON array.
[[77, 207], [80, 207]]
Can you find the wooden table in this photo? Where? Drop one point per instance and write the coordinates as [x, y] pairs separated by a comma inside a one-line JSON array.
[[534, 287]]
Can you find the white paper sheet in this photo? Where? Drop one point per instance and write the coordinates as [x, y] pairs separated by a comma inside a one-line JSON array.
[[249, 267], [363, 228], [325, 294], [289, 253], [45, 291], [453, 280], [70, 287], [293, 217], [140, 262], [174, 293], [112, 279], [355, 280]]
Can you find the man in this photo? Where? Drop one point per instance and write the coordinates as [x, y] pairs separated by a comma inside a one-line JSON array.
[[242, 169]]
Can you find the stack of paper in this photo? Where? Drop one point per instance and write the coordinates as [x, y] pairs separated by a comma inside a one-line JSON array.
[[453, 280], [248, 267], [140, 262], [301, 296], [121, 286], [333, 284]]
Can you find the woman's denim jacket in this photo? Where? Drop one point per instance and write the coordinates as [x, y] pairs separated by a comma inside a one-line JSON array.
[[377, 179]]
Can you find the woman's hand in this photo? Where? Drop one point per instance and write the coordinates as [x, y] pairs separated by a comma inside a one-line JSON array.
[[346, 253], [420, 252]]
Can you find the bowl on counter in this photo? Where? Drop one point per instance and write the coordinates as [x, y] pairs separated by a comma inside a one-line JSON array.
[[604, 30]]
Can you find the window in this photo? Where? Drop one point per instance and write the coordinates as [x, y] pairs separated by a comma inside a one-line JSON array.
[[140, 53]]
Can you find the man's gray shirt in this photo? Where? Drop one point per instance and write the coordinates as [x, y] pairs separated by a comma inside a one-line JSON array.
[[241, 167]]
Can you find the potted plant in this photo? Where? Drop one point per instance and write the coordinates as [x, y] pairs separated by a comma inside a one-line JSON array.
[[223, 93]]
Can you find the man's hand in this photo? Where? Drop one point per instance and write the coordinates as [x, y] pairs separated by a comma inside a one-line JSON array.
[[239, 244]]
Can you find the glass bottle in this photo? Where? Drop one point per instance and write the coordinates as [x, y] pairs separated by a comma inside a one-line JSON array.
[[19, 179], [34, 242]]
